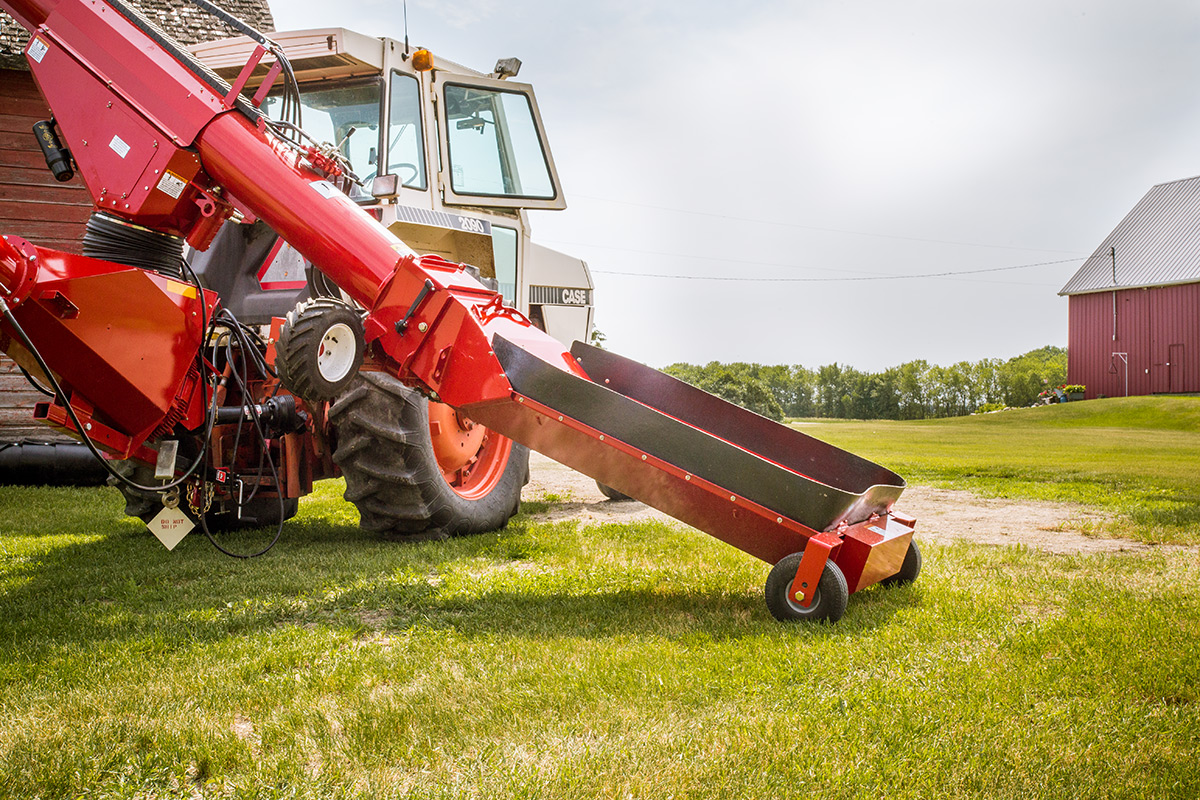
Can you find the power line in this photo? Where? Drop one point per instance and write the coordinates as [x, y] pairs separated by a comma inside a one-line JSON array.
[[843, 279], [863, 276], [844, 231], [718, 259]]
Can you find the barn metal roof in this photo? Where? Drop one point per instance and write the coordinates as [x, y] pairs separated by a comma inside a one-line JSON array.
[[1157, 244]]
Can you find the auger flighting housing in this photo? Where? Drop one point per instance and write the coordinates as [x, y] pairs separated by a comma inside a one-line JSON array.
[[165, 145]]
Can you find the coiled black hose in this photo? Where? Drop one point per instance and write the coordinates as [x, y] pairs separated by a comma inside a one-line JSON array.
[[121, 242]]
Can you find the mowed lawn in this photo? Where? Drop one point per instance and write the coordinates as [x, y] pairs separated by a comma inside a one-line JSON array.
[[559, 661], [1136, 457]]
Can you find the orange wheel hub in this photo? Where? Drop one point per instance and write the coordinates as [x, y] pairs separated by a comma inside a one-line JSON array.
[[471, 457]]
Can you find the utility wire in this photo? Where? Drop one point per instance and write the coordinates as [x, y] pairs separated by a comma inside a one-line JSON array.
[[845, 231], [862, 276], [834, 280]]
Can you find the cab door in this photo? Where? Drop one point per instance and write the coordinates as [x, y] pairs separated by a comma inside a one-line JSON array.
[[493, 146]]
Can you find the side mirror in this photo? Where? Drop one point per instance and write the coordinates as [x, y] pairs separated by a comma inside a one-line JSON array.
[[384, 186]]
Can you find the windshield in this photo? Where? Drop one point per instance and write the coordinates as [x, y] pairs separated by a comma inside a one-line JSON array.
[[330, 113], [495, 149]]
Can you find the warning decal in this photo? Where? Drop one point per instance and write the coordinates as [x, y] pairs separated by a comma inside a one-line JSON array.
[[325, 189], [38, 50], [171, 184], [170, 525]]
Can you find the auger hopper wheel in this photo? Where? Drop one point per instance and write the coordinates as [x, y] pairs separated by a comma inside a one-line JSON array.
[[909, 570], [420, 470], [828, 602]]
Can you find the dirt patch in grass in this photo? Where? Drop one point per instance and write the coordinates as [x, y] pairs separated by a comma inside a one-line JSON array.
[[943, 515]]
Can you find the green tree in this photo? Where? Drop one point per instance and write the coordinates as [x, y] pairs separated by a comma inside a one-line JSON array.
[[736, 383], [913, 390], [1022, 378]]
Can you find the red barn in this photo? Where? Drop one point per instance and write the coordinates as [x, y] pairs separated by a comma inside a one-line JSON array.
[[1135, 303]]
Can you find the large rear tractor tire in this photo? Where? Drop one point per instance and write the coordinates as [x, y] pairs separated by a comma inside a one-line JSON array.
[[611, 493], [420, 470]]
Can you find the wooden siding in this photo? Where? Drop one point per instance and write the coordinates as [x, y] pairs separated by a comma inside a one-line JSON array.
[[36, 207], [50, 214], [33, 205], [16, 408], [1159, 329]]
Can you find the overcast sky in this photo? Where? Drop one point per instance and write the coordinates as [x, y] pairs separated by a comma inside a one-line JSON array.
[[760, 181]]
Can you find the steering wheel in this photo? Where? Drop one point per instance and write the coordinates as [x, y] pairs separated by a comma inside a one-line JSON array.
[[416, 172]]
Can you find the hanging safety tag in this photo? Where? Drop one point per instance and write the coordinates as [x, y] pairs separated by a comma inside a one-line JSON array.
[[170, 525]]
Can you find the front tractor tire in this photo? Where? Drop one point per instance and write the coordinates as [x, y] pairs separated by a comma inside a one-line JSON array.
[[320, 349], [417, 470]]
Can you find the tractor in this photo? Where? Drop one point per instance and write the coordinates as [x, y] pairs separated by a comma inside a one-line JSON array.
[[376, 99]]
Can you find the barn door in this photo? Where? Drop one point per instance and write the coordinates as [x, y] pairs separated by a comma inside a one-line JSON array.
[[1175, 376]]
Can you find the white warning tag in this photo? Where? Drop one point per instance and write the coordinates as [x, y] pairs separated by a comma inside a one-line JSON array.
[[38, 49], [171, 184], [170, 526], [119, 146]]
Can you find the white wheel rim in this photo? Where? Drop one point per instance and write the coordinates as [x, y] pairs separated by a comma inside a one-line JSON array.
[[335, 357]]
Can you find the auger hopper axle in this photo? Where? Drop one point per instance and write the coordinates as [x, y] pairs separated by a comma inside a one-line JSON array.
[[135, 108]]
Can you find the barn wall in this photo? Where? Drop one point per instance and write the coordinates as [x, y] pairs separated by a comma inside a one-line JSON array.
[[17, 398], [50, 214], [1159, 329], [33, 205], [36, 207], [1175, 339]]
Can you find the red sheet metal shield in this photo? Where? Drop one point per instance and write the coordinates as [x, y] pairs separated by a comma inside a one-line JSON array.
[[122, 337]]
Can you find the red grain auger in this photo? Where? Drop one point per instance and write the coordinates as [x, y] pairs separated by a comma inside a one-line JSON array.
[[203, 417]]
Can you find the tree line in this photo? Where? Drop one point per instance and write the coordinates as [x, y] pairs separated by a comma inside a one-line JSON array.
[[914, 390]]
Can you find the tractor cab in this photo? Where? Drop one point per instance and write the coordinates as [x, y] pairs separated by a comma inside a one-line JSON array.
[[447, 158]]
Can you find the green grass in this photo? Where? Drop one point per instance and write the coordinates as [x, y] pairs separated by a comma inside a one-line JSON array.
[[1137, 457], [554, 661]]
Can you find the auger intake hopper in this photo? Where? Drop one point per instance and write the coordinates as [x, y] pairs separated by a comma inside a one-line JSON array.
[[779, 467]]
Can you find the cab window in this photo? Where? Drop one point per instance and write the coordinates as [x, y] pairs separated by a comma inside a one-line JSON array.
[[504, 253], [346, 116], [494, 146]]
